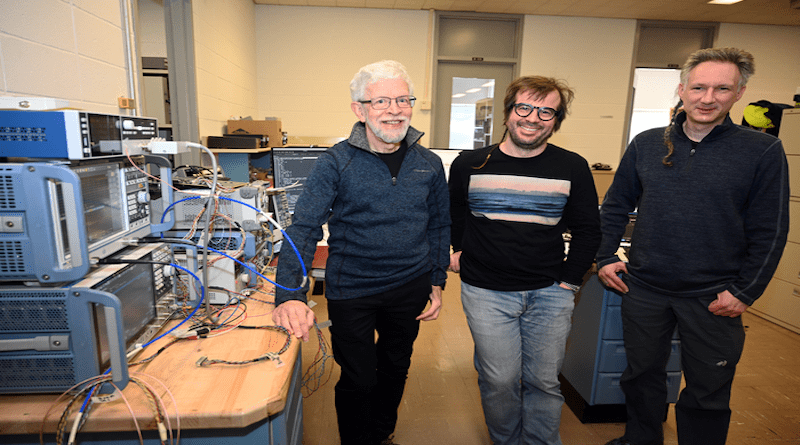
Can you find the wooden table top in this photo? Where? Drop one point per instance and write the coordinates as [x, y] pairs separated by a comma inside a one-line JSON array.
[[217, 396]]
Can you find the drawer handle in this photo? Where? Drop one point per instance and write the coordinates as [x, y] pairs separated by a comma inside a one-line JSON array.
[[796, 292]]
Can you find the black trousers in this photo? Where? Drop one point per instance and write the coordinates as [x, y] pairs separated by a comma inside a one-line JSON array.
[[711, 346], [374, 372]]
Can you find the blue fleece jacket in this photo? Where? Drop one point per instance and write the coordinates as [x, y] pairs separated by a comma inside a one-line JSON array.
[[383, 231], [716, 220]]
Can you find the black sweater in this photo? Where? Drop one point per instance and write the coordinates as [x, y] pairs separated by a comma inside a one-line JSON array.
[[716, 220], [510, 214]]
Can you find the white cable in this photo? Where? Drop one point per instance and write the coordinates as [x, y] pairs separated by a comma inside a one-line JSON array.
[[74, 431]]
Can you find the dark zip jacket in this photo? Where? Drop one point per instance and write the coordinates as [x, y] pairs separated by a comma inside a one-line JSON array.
[[716, 220], [383, 231]]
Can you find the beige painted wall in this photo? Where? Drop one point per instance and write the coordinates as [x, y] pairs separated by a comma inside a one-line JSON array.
[[225, 44], [151, 34], [296, 63], [594, 57], [64, 50], [76, 51], [776, 50], [307, 56]]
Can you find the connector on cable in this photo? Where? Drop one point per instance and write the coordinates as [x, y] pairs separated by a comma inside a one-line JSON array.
[[179, 333], [162, 432], [106, 398], [201, 361], [169, 271], [275, 357], [160, 146], [135, 351], [200, 332]]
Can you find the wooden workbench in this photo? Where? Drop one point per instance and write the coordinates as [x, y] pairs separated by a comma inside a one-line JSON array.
[[258, 402]]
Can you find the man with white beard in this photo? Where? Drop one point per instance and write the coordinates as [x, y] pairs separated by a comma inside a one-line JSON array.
[[385, 200]]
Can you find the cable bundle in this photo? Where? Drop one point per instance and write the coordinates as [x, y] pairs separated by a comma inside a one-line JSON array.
[[274, 356], [154, 401], [317, 374]]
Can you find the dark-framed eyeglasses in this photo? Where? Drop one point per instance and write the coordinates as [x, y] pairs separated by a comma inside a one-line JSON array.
[[544, 113], [382, 103]]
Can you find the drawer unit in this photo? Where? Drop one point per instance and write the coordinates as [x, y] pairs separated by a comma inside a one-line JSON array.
[[609, 393], [794, 215], [789, 267], [595, 358], [780, 302], [790, 131], [612, 328], [794, 174], [611, 357]]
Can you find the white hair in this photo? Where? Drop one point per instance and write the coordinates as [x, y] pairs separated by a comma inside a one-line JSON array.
[[374, 72]]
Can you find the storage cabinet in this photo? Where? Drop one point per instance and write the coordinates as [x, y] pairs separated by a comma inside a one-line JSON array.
[[602, 181], [483, 123], [155, 93], [595, 358], [781, 300]]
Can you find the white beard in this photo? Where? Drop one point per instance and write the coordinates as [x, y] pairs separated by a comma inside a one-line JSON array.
[[389, 138]]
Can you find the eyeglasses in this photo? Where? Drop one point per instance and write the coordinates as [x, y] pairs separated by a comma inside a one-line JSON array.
[[544, 113], [382, 103]]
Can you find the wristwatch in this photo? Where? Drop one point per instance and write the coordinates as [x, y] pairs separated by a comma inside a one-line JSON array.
[[573, 287]]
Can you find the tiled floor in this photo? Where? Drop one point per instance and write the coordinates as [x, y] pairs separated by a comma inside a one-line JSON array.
[[441, 405]]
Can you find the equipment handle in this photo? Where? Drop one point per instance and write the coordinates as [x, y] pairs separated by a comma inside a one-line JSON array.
[[69, 262], [115, 332]]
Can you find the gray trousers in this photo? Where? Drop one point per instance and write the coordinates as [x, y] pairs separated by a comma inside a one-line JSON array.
[[710, 349]]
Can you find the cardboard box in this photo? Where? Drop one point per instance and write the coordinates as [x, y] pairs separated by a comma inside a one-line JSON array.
[[270, 128]]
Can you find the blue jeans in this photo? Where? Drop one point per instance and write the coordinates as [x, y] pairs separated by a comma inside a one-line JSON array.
[[520, 338]]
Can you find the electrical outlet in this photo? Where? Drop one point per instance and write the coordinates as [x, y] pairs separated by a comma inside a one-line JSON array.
[[126, 103]]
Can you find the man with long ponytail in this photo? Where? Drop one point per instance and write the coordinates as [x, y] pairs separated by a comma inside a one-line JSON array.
[[712, 202]]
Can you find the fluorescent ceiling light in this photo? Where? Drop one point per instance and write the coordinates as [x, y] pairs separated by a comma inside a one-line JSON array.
[[457, 95], [723, 2], [488, 84], [473, 90]]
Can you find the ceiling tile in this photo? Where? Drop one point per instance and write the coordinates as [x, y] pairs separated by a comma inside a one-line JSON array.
[[772, 12]]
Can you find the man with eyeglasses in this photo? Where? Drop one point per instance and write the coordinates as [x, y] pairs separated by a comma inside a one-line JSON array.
[[384, 198], [511, 204]]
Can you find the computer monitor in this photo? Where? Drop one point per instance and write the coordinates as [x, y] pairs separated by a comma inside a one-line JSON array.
[[291, 166]]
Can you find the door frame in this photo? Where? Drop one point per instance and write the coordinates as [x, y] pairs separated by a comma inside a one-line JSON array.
[[477, 59]]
